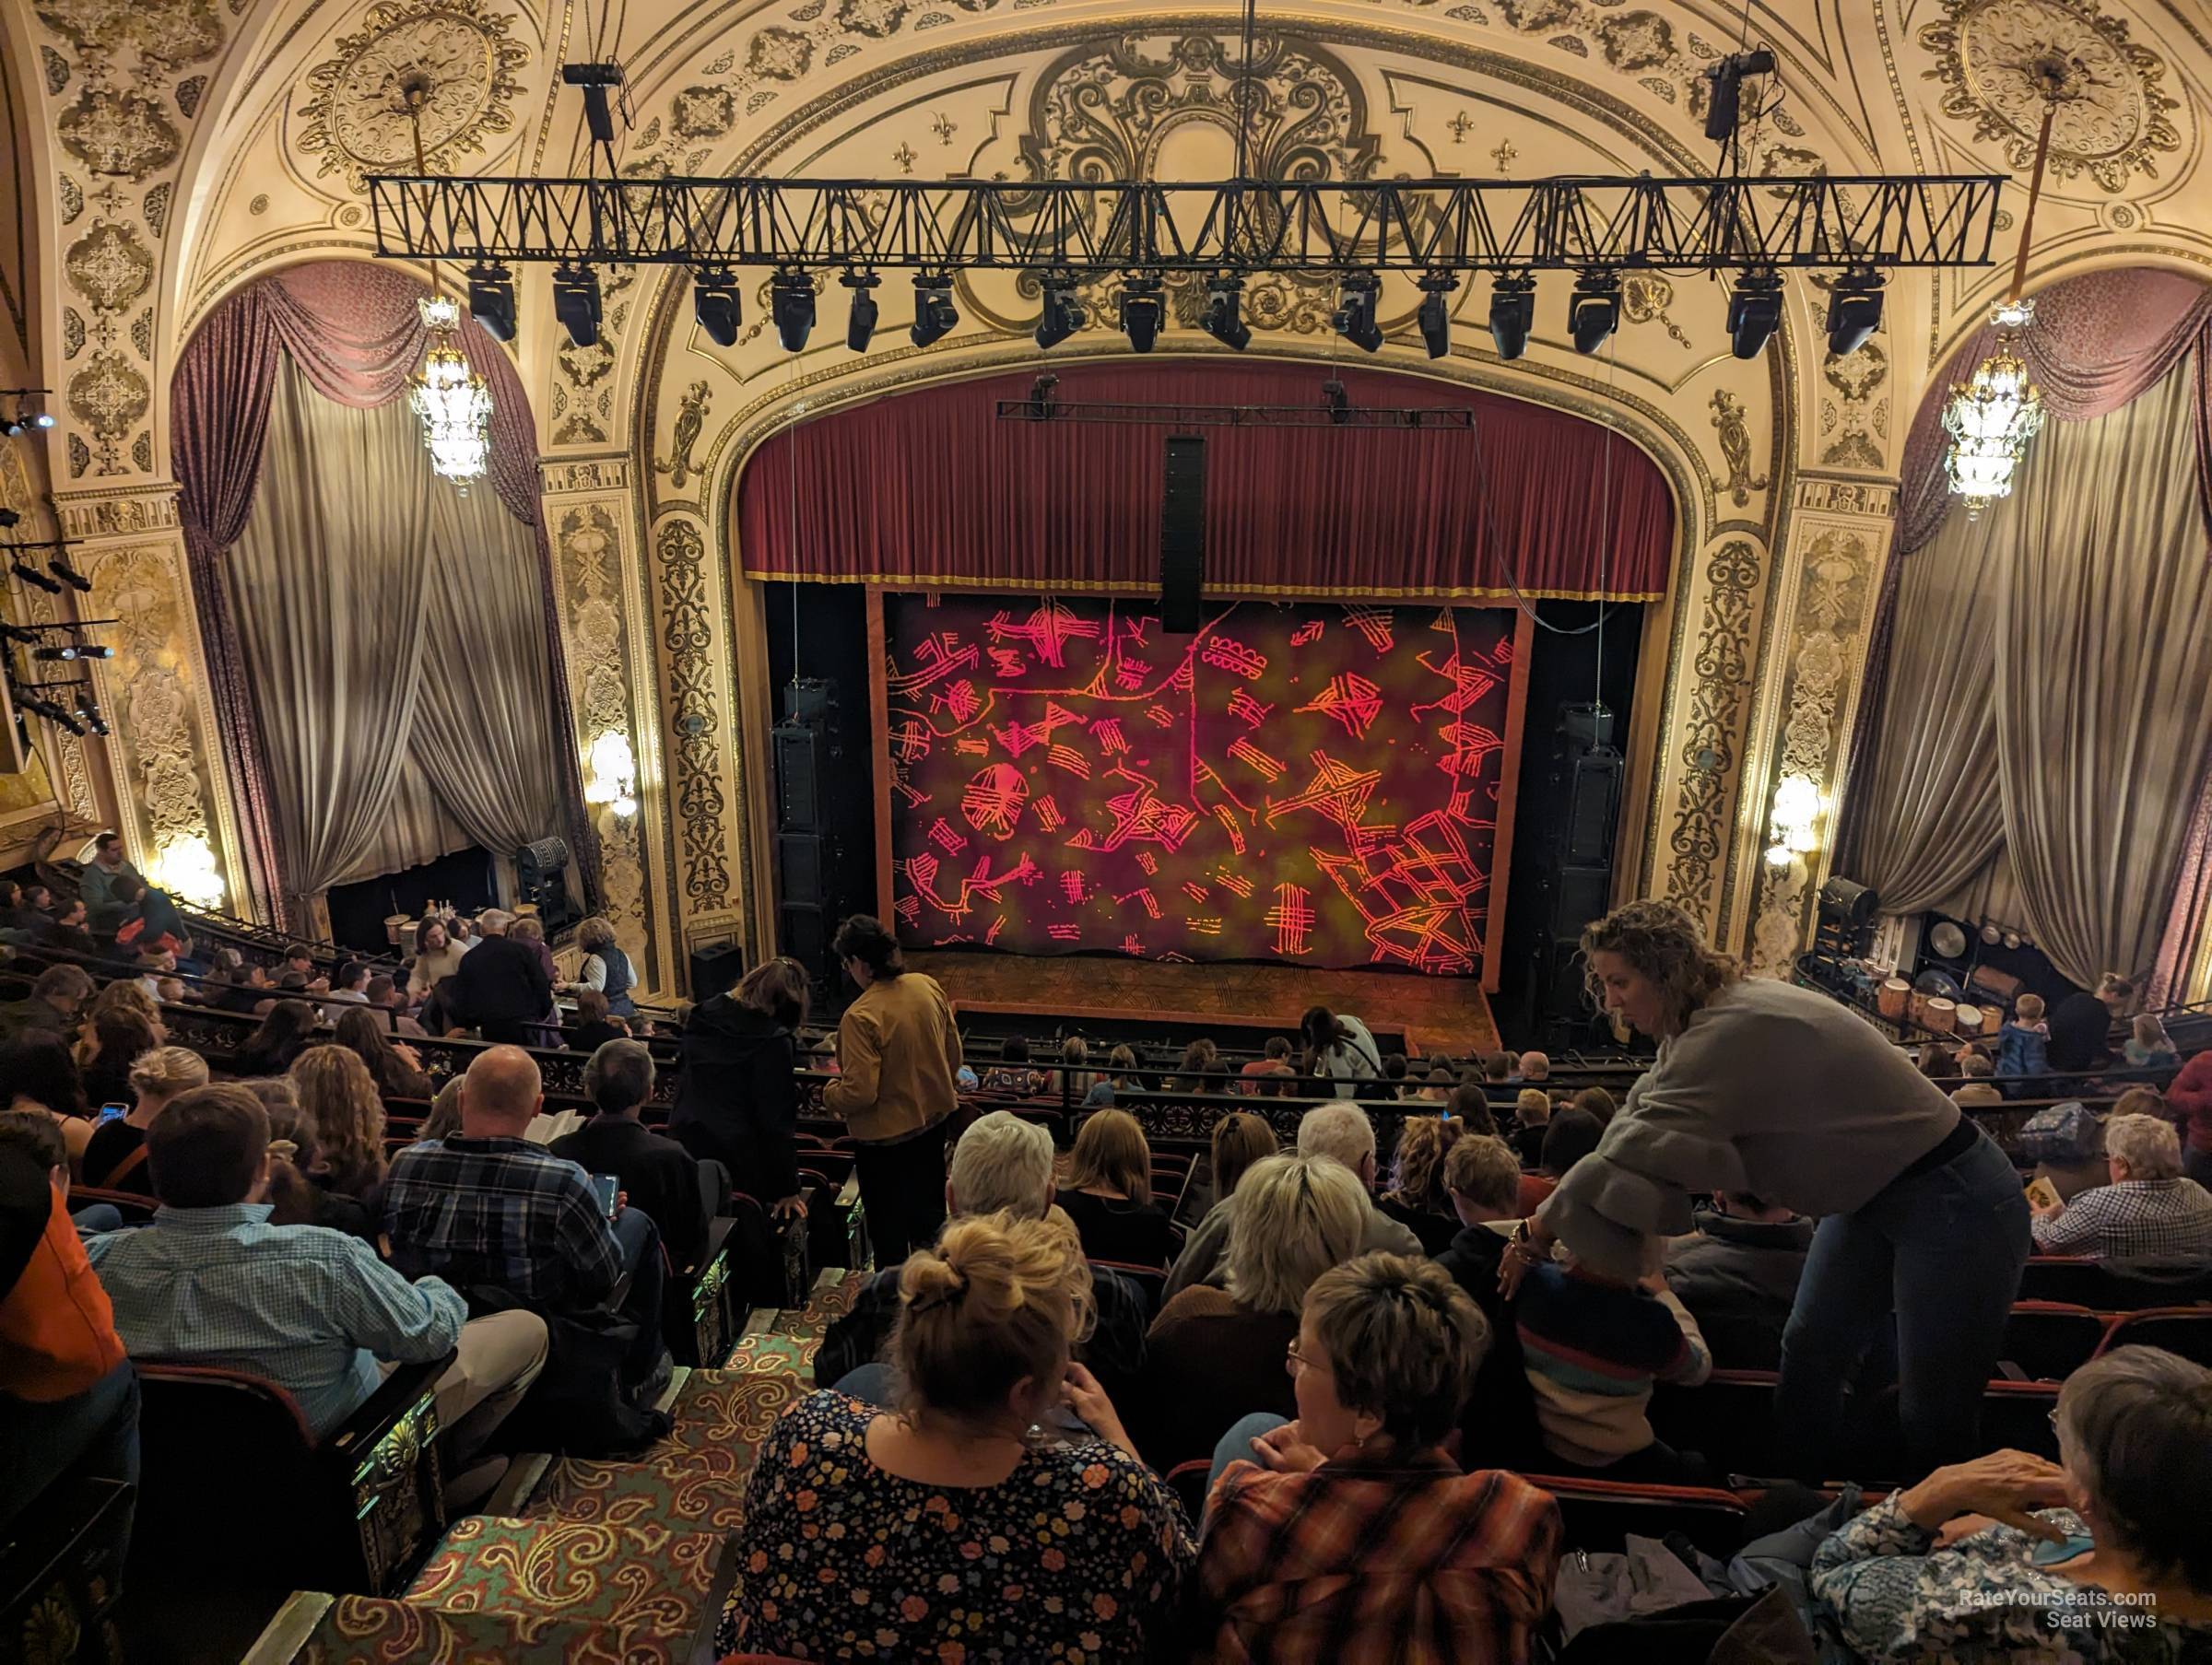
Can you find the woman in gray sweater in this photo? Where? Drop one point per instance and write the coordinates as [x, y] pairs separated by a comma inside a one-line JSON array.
[[1761, 1087]]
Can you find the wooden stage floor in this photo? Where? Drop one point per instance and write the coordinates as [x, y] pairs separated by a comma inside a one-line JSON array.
[[1435, 1013]]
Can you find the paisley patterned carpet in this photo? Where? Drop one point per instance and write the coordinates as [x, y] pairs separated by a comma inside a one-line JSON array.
[[613, 1562]]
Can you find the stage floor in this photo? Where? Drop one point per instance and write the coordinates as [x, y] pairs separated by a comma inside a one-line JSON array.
[[1435, 1013]]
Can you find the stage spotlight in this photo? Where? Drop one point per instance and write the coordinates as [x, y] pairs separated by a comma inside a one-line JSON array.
[[34, 578], [1224, 316], [1754, 312], [491, 299], [1143, 309], [1593, 310], [791, 305], [1724, 96], [1043, 404], [90, 711], [1338, 402], [1061, 317], [69, 651], [576, 303], [1355, 317], [11, 426], [1513, 313], [860, 320], [715, 304], [1854, 310], [1436, 312], [934, 312], [59, 565], [8, 517]]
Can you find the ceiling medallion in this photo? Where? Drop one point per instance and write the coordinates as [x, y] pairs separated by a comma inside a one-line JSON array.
[[2112, 118], [357, 114]]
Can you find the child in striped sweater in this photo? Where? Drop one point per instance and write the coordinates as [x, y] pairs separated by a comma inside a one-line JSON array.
[[1593, 1348]]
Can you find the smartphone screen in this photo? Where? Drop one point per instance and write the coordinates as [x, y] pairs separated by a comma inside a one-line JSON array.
[[111, 1112], [607, 1185]]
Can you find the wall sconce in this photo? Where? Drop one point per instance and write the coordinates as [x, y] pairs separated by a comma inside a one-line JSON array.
[[1797, 809], [614, 776], [184, 866]]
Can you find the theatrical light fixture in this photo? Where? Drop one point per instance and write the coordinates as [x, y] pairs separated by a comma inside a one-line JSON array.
[[1061, 315], [1593, 310], [1143, 307], [1044, 406], [452, 399], [59, 565], [491, 299], [859, 317], [576, 303], [595, 79], [1725, 93], [1338, 402], [715, 305], [73, 651], [1754, 312], [33, 577], [791, 305], [1355, 316], [27, 412], [1436, 312], [90, 711], [1223, 318], [1854, 309], [934, 312], [1513, 313]]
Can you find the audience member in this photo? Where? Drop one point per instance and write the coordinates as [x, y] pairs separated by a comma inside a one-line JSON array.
[[1417, 1197], [1339, 1130], [1599, 1103], [151, 923], [593, 1025], [1496, 1068], [66, 930], [2024, 1041], [737, 1100], [393, 1066], [115, 1154], [1214, 1354], [606, 970], [1339, 1047], [1076, 1076], [898, 1048], [348, 988], [1261, 1073], [1481, 1174], [299, 1189], [437, 957], [339, 1096], [1238, 1141], [283, 1034], [1469, 1106], [1531, 1115], [1534, 1067], [1120, 1077], [829, 1560], [502, 989], [38, 1136], [52, 1008], [1739, 1273], [68, 1396], [1979, 1091], [1394, 1072], [2189, 1098], [530, 931], [1109, 1192], [444, 1118], [1594, 1347], [96, 883], [1350, 1534], [386, 998], [2149, 1046], [2081, 1025], [309, 1310], [2100, 1557], [658, 1175], [1441, 1083], [1199, 1059], [38, 1076], [2148, 1216], [1012, 1073], [120, 1030], [1002, 1164], [1569, 1137]]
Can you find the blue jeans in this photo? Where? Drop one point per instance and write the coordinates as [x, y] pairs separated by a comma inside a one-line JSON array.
[[640, 1241], [1235, 1445], [1944, 1251], [871, 1384], [93, 1435], [95, 1218]]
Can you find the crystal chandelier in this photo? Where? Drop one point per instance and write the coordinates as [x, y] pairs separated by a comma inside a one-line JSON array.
[[1998, 410], [451, 398]]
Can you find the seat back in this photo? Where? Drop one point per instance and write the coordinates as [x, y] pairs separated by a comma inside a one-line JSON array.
[[2049, 1340], [1187, 1481], [134, 1208], [1597, 1514], [1729, 1419], [2017, 1416], [2187, 1330], [2107, 1289], [1152, 1280]]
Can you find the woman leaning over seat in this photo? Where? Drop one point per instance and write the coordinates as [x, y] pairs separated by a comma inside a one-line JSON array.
[[1349, 1536], [951, 1528], [2103, 1556]]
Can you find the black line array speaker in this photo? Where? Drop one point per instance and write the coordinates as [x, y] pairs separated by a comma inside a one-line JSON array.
[[1182, 534], [1580, 806], [798, 776], [715, 969]]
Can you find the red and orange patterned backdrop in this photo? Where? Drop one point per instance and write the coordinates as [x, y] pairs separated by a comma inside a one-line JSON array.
[[1309, 782]]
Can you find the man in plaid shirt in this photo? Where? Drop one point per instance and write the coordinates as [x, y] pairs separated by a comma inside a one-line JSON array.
[[488, 1208], [2148, 1214]]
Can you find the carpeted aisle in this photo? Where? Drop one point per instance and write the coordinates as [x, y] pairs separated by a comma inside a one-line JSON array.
[[619, 1563]]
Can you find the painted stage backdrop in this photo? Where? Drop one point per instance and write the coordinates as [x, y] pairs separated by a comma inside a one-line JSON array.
[[1306, 783]]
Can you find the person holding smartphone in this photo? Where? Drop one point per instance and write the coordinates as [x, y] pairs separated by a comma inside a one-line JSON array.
[[629, 1162]]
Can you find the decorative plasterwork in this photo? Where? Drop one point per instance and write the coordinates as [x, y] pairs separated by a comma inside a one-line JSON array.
[[2113, 117], [565, 476], [1704, 741], [465, 52], [691, 633], [117, 512]]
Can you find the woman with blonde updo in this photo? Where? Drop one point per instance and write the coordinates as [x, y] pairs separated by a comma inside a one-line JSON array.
[[114, 1158], [885, 1534], [339, 1096]]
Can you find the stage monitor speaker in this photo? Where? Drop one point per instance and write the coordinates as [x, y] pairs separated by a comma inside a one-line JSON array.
[[1589, 726], [1182, 534], [715, 969], [810, 700], [798, 777], [799, 864]]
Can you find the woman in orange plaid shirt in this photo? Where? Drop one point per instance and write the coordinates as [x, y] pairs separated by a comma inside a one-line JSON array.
[[1348, 1536]]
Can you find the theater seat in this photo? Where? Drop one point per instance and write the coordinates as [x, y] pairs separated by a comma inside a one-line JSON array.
[[1597, 1514], [136, 1208], [1729, 1420], [2048, 1340], [2093, 1285], [1187, 1481], [2017, 1416], [2184, 1329], [1152, 1280]]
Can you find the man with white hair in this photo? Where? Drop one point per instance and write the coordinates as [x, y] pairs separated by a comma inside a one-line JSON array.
[[1342, 1131], [2148, 1216], [1002, 1163], [501, 989]]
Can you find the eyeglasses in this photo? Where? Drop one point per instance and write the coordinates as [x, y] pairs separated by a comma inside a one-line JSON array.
[[1294, 1361]]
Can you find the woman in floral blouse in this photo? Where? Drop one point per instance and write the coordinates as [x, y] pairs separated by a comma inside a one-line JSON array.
[[1980, 1563], [952, 1530]]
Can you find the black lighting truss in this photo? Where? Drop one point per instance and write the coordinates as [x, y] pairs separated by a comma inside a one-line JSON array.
[[1677, 225]]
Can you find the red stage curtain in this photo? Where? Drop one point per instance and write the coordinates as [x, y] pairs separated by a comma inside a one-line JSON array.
[[930, 487]]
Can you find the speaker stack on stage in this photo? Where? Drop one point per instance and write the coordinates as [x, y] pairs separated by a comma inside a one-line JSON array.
[[1580, 808], [1182, 534], [821, 799]]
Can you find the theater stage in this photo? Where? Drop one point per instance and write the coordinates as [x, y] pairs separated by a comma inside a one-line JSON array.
[[1435, 1013]]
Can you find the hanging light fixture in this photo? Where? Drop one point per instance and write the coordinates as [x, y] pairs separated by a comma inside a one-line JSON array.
[[451, 399], [1998, 410]]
